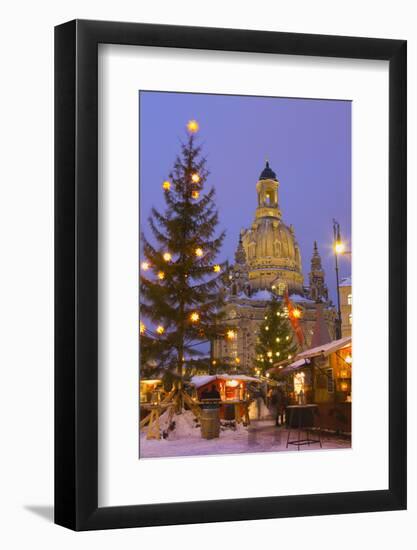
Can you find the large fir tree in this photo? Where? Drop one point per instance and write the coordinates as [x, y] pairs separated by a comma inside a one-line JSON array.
[[180, 280], [275, 343]]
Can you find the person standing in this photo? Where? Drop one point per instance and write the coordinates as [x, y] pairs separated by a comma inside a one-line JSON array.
[[280, 404]]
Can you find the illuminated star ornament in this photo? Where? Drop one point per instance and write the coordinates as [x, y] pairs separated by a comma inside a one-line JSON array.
[[192, 126]]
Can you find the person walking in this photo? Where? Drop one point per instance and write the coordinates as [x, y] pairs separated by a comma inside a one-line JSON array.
[[280, 403]]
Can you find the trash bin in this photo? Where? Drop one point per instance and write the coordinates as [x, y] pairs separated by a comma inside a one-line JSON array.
[[210, 421]]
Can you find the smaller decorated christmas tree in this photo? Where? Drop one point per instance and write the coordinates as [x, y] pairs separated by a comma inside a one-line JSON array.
[[275, 343]]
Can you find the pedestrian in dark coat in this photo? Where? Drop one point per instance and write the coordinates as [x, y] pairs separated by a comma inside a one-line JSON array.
[[280, 403]]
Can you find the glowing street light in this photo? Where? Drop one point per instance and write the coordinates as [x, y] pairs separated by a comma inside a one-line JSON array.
[[338, 247]]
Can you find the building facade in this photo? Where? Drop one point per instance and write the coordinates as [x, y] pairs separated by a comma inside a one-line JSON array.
[[268, 264], [345, 291]]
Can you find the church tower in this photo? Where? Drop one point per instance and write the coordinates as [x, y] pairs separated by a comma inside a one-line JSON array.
[[240, 273], [272, 251], [318, 289]]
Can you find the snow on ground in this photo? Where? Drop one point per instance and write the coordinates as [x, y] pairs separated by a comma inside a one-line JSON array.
[[185, 425], [260, 436]]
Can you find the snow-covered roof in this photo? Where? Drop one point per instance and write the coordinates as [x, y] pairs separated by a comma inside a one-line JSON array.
[[298, 298], [202, 380], [347, 281], [294, 366], [297, 364], [326, 349], [261, 295]]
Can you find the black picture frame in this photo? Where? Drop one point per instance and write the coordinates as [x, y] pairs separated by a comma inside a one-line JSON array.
[[76, 272]]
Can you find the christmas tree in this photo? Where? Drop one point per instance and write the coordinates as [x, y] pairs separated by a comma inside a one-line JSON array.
[[275, 343], [180, 280]]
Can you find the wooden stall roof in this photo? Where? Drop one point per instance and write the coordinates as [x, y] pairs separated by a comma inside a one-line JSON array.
[[326, 349], [199, 381]]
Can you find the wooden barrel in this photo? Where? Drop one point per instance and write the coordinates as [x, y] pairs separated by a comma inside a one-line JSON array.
[[210, 423]]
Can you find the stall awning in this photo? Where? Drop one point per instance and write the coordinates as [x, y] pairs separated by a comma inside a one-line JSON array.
[[326, 349], [303, 358], [299, 364]]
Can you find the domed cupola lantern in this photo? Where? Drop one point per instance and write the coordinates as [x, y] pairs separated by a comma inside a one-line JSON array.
[[267, 173], [267, 189]]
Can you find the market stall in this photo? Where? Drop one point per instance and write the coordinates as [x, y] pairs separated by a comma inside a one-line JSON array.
[[323, 376], [233, 391]]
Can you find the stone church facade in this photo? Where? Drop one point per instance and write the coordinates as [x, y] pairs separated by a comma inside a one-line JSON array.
[[268, 263]]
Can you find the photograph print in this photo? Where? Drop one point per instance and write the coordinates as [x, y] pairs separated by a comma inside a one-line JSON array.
[[245, 291]]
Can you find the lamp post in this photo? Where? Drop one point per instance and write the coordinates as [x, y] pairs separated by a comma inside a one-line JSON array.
[[338, 248]]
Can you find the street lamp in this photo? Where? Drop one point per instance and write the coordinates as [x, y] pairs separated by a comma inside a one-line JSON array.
[[338, 248]]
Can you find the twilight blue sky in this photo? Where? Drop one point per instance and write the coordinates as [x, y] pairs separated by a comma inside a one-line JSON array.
[[307, 143]]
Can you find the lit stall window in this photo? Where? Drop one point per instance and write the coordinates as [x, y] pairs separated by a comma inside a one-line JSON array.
[[299, 382]]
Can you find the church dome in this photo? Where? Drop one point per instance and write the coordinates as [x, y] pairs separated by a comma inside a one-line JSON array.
[[267, 173]]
